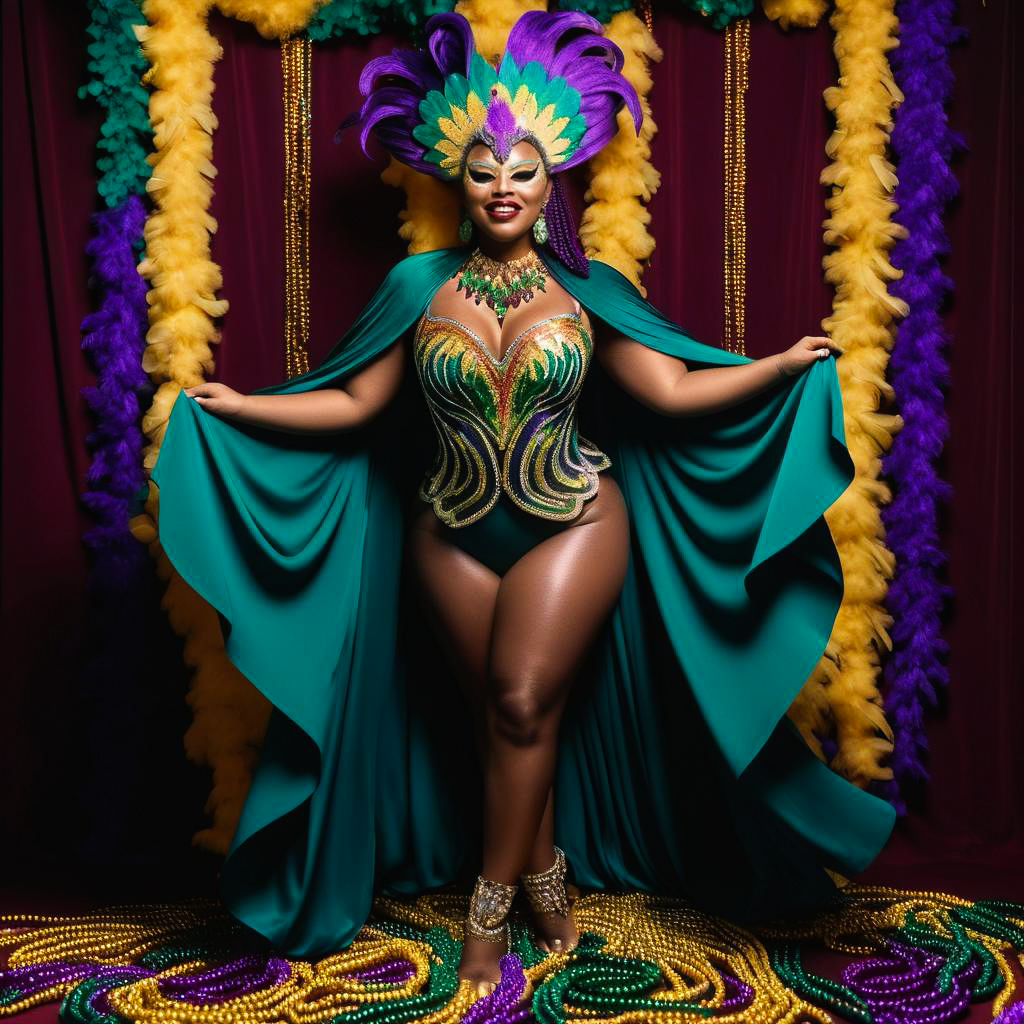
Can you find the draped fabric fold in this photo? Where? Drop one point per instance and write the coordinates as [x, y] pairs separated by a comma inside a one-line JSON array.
[[678, 770]]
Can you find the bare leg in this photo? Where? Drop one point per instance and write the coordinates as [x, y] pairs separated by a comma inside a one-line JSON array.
[[544, 840], [550, 606], [460, 596], [547, 610]]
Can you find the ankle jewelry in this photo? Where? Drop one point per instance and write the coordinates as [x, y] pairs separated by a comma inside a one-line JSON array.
[[488, 908], [546, 889]]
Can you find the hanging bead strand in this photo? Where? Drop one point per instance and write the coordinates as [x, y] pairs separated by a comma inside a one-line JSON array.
[[737, 80], [296, 74]]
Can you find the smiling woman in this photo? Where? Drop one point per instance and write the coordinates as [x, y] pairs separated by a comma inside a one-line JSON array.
[[501, 196], [520, 545]]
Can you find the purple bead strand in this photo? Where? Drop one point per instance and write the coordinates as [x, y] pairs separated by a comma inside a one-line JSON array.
[[227, 981], [502, 1005]]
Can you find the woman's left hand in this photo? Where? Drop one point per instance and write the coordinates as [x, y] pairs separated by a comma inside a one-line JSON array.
[[806, 351]]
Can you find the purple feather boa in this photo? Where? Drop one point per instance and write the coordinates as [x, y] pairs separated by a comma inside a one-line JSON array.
[[918, 370], [114, 337]]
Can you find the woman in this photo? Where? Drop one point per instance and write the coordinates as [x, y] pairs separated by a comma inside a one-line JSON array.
[[522, 551]]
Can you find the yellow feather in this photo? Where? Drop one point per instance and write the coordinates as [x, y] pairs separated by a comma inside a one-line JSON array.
[[614, 226]]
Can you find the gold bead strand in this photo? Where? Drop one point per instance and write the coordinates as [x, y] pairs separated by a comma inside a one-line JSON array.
[[297, 81], [734, 145]]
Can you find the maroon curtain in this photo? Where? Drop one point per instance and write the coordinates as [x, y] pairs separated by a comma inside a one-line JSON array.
[[973, 808]]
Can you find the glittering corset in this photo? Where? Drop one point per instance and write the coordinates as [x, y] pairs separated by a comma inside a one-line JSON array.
[[507, 425]]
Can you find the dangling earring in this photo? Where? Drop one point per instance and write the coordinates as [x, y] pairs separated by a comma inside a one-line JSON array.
[[465, 229], [540, 228]]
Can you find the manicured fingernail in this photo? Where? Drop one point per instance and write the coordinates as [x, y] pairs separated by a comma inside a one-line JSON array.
[[558, 945]]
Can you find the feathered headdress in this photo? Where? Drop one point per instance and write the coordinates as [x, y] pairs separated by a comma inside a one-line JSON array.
[[559, 86]]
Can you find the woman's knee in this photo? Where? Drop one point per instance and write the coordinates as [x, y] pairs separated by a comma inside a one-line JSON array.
[[518, 714]]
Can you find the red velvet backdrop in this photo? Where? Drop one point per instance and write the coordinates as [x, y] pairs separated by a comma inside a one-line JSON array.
[[92, 761]]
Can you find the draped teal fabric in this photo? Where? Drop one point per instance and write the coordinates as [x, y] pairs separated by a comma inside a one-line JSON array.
[[678, 769]]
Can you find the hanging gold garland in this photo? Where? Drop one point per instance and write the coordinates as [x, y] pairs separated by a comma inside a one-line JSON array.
[[297, 74], [737, 81]]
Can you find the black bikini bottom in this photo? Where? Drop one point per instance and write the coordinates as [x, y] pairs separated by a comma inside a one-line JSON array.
[[503, 535]]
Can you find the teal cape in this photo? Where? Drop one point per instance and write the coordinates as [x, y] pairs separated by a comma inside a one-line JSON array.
[[678, 772]]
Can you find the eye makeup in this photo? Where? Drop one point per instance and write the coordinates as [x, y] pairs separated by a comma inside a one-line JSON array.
[[524, 170], [483, 171]]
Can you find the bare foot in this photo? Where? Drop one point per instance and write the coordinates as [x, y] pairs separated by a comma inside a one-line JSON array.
[[479, 964], [554, 933]]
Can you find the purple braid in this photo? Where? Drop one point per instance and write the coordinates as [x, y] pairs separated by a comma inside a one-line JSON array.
[[563, 238]]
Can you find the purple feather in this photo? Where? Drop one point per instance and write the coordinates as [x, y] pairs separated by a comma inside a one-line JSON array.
[[114, 337], [918, 371], [501, 126], [568, 44], [450, 43]]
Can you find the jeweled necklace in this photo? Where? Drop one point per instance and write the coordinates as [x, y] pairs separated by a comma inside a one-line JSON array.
[[501, 285]]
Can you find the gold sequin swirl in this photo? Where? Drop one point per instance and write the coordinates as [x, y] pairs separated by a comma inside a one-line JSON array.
[[507, 424]]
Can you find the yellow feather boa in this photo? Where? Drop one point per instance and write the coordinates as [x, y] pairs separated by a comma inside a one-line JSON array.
[[492, 20], [860, 227], [795, 13], [614, 226], [230, 715]]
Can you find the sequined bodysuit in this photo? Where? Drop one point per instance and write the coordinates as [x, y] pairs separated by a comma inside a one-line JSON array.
[[507, 427]]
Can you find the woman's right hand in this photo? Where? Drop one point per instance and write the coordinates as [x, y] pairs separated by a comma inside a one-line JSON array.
[[217, 398]]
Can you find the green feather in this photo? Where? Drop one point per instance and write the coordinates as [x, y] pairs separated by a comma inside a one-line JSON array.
[[456, 92], [482, 77]]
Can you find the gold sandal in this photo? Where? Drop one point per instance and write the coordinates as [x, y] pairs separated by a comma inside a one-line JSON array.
[[488, 909], [546, 890]]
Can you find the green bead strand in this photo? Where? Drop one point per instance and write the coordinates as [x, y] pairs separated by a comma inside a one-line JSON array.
[[76, 1008], [787, 963]]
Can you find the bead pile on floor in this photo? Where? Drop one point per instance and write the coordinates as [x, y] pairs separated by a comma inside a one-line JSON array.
[[922, 957]]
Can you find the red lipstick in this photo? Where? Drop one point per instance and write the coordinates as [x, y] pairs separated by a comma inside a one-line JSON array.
[[502, 209]]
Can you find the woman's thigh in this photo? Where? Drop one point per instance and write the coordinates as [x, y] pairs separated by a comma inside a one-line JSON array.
[[551, 603], [459, 595], [535, 622]]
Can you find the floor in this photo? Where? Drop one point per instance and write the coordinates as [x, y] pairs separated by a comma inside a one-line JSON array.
[[970, 873]]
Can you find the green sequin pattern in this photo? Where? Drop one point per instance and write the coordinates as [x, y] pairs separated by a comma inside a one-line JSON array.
[[507, 425]]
